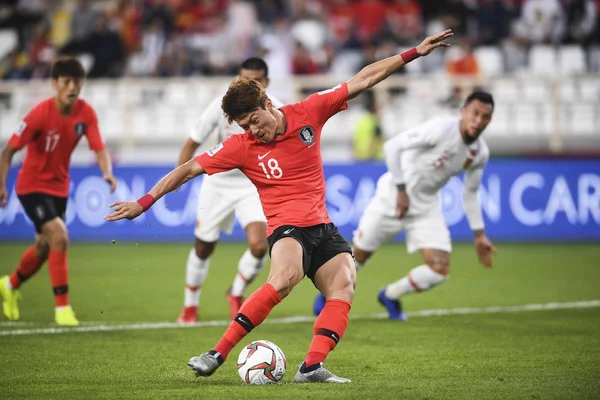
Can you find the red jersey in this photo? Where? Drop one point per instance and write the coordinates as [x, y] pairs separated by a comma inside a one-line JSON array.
[[288, 172], [50, 139]]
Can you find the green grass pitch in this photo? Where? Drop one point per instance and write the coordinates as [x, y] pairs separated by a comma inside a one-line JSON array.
[[552, 354]]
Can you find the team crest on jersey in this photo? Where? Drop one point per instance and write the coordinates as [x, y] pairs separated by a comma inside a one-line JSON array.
[[307, 135], [470, 159], [215, 149], [80, 128]]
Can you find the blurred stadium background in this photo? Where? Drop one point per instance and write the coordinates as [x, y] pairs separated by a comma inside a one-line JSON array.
[[153, 65]]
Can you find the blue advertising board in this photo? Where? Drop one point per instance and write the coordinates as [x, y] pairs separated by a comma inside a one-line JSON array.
[[522, 199]]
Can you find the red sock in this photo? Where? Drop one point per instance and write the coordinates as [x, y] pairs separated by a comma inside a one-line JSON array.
[[59, 276], [328, 329], [30, 264], [252, 313]]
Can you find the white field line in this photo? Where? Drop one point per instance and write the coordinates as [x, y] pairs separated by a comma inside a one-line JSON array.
[[291, 320]]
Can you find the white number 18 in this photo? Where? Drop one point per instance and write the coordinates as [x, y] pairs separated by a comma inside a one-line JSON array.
[[274, 168]]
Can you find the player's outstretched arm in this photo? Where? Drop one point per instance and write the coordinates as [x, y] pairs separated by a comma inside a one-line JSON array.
[[174, 179], [5, 160], [374, 73], [105, 165]]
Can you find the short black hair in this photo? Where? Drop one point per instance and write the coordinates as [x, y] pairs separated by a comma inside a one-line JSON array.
[[256, 64], [68, 67], [483, 97]]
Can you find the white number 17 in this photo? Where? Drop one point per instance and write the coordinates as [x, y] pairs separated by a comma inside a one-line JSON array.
[[51, 142]]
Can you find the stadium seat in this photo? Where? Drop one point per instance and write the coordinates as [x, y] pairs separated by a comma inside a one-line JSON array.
[[434, 63], [564, 119], [346, 63], [176, 94], [113, 125], [490, 60], [8, 41], [542, 61], [143, 123], [589, 89], [411, 114], [547, 118], [9, 122], [424, 90], [505, 90], [594, 59], [536, 90], [568, 90], [499, 126], [571, 60], [101, 93], [526, 119], [583, 118]]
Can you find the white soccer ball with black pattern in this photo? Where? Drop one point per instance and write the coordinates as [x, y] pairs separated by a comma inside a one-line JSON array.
[[261, 363]]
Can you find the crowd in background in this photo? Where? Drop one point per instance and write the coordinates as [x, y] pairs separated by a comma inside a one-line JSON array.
[[164, 38]]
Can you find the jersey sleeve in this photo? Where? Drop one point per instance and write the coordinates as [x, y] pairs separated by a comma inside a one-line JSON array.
[[94, 138], [471, 186], [323, 105], [225, 156], [207, 122], [424, 135], [471, 197], [28, 128]]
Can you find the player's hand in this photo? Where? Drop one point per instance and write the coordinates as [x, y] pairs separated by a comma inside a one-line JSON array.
[[3, 196], [402, 204], [433, 42], [484, 249], [124, 209], [112, 182]]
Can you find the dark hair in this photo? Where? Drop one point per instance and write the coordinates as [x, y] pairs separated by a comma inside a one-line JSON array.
[[68, 67], [243, 96], [483, 97], [255, 64]]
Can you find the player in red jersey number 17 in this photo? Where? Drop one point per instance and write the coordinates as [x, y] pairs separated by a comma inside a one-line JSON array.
[[50, 131], [280, 153]]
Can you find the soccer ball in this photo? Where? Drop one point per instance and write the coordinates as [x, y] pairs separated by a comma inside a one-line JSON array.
[[261, 363]]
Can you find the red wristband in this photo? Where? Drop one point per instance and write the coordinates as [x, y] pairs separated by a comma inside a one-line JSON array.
[[146, 201], [409, 55]]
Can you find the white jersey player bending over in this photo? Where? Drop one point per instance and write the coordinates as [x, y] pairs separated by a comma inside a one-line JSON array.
[[223, 197], [420, 162]]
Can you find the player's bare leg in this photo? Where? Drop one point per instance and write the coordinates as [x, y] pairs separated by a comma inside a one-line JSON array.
[[55, 231], [31, 261], [250, 264], [196, 271], [360, 259], [336, 279], [286, 272], [419, 279]]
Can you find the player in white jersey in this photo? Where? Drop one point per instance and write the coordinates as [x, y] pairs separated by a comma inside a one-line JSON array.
[[420, 162], [223, 197]]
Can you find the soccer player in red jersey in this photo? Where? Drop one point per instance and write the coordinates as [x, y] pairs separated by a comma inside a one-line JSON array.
[[50, 131], [280, 154]]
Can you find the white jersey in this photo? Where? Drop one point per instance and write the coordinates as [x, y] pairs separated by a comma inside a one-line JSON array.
[[211, 120], [426, 157]]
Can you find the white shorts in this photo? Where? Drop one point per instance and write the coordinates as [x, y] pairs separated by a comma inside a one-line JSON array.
[[218, 207], [424, 231]]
